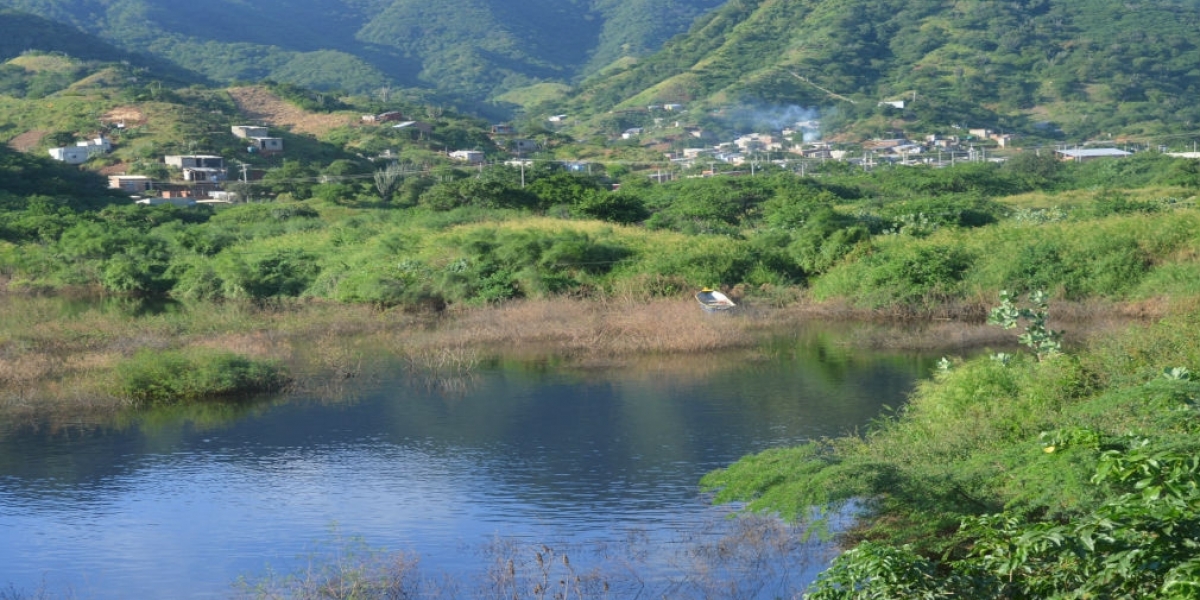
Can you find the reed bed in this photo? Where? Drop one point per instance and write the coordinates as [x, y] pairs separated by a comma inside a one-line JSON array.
[[58, 356]]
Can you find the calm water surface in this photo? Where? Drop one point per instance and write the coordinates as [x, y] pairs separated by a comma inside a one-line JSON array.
[[181, 503]]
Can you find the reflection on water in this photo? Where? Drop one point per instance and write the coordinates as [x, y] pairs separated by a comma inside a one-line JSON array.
[[182, 502]]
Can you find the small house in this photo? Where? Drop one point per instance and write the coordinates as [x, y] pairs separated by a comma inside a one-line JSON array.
[[266, 145], [72, 155], [249, 131], [1086, 154], [384, 117], [134, 184], [173, 200], [473, 157], [195, 161], [522, 146], [81, 151]]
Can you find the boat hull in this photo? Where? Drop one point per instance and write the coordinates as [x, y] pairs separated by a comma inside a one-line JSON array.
[[714, 301]]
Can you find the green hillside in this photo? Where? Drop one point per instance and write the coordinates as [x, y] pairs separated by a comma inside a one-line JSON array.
[[1087, 68], [22, 33], [466, 52]]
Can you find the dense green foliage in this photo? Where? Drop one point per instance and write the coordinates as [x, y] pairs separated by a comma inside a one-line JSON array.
[[1040, 67], [1035, 66], [155, 377], [469, 52], [892, 236], [1073, 476]]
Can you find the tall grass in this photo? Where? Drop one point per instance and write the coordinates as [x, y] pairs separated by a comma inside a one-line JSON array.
[[164, 377]]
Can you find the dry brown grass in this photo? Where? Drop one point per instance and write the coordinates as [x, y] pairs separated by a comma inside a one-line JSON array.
[[581, 328], [52, 360]]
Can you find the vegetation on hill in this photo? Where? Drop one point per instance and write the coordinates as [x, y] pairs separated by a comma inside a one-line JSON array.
[[465, 53], [1037, 67]]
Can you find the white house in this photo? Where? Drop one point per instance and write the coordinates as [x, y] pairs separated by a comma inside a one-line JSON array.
[[1083, 154], [267, 145], [473, 157], [173, 201], [81, 151], [72, 155]]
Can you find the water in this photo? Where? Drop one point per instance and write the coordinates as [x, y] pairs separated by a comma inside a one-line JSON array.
[[182, 503]]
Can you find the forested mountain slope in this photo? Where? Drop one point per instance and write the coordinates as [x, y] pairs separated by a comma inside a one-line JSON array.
[[22, 32], [1088, 67], [473, 49]]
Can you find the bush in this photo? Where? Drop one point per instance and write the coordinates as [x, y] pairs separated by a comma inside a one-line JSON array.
[[164, 377], [272, 274], [900, 274]]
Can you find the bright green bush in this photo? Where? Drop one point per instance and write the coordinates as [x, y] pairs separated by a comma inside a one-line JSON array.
[[168, 376], [267, 274], [900, 274]]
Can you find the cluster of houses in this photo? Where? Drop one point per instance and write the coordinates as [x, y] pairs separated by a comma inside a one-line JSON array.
[[202, 175], [781, 147]]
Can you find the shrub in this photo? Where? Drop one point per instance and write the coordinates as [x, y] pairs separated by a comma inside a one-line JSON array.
[[904, 274], [164, 377], [272, 274]]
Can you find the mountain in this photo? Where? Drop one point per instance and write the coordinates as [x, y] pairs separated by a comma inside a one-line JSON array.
[[21, 33], [471, 49], [1081, 67]]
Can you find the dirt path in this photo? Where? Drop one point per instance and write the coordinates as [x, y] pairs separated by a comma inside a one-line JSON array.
[[262, 105]]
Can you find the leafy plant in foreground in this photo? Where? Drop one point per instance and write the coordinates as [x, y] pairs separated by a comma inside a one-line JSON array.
[[1045, 342]]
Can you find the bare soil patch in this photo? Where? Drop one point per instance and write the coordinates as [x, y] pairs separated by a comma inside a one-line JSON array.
[[27, 141], [131, 116], [261, 105]]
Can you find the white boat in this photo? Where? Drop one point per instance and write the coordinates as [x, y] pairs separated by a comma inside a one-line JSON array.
[[713, 301]]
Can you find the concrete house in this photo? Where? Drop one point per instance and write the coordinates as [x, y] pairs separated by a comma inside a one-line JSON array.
[[134, 184], [522, 146], [473, 157], [249, 131], [81, 151], [199, 167], [384, 117], [72, 155], [266, 145]]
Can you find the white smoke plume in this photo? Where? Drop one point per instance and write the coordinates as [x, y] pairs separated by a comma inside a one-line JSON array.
[[758, 118]]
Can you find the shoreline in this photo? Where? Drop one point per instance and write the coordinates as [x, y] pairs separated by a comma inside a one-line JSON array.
[[59, 352]]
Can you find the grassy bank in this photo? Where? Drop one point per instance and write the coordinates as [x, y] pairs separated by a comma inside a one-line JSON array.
[[65, 356], [1065, 476]]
